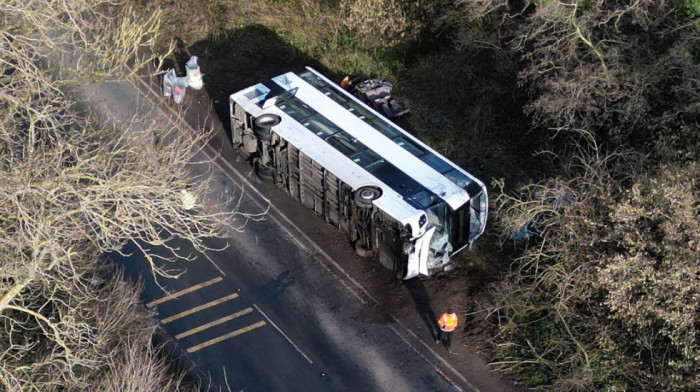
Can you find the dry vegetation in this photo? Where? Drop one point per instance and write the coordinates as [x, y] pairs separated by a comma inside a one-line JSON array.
[[607, 292], [604, 296], [75, 189]]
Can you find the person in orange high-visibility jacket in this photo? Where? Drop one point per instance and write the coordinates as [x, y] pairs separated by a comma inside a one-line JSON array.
[[447, 323]]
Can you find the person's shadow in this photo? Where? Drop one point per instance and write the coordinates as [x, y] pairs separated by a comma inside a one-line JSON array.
[[420, 298]]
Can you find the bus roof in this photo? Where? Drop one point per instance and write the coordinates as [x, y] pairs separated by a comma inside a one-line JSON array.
[[260, 99]]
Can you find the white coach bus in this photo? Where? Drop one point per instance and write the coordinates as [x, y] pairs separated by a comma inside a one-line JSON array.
[[398, 199]]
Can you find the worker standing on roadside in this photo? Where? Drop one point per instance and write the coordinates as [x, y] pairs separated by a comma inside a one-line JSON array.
[[447, 323]]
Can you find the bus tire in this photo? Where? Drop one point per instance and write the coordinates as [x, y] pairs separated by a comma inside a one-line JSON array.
[[362, 251], [365, 195], [263, 125], [264, 173]]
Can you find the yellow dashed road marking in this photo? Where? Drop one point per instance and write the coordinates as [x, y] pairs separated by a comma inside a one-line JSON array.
[[182, 292], [213, 323], [224, 337], [198, 308]]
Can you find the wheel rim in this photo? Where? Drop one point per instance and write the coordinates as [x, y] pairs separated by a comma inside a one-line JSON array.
[[267, 121], [364, 196], [368, 194]]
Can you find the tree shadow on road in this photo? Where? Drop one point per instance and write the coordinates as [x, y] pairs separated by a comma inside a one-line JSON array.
[[420, 298]]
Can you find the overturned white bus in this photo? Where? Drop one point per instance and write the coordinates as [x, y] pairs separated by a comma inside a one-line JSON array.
[[397, 199]]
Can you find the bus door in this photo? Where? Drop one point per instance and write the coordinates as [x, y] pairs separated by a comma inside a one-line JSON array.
[[478, 210], [459, 227]]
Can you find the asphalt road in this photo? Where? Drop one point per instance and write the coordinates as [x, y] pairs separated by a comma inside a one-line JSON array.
[[265, 314]]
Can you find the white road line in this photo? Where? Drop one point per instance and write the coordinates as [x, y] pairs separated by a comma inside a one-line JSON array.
[[437, 369], [436, 355], [283, 334], [213, 263]]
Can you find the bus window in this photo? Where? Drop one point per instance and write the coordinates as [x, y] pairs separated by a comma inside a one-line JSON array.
[[410, 146], [437, 215], [423, 198], [478, 211], [312, 79], [296, 109], [370, 161], [357, 110], [366, 158], [436, 162], [474, 190], [286, 96], [345, 144], [334, 95], [381, 126], [458, 178], [320, 126]]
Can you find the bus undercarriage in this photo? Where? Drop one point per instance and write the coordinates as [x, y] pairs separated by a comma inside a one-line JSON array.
[[373, 233]]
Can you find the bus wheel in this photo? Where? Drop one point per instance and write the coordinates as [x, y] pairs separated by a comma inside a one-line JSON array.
[[362, 251], [264, 173], [365, 195], [263, 125]]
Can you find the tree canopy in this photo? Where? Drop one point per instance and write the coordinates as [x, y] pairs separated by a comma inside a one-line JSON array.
[[76, 187]]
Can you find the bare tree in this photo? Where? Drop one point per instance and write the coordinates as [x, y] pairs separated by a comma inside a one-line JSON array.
[[603, 295], [619, 69], [75, 188]]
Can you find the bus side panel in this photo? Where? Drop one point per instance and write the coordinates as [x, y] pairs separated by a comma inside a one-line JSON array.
[[331, 196], [240, 120], [289, 167], [315, 187], [345, 194], [312, 185], [324, 193]]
